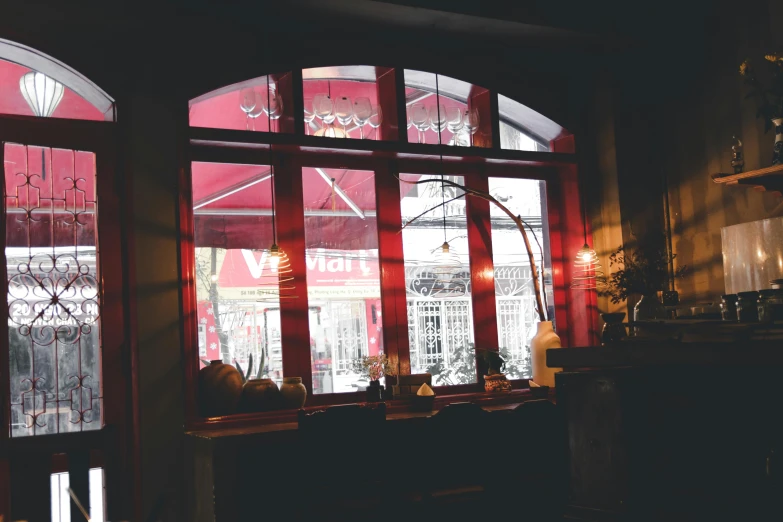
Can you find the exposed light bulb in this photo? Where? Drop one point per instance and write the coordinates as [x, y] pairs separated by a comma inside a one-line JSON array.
[[274, 261], [214, 278]]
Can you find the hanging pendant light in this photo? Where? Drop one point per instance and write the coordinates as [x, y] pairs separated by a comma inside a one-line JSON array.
[[277, 283], [446, 269], [588, 273], [42, 94], [446, 264]]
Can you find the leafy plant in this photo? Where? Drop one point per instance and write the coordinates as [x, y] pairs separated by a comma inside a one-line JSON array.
[[462, 369], [494, 361], [769, 101], [644, 271], [374, 366]]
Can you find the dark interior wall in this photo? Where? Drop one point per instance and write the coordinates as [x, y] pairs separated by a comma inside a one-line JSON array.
[[677, 100], [700, 124]]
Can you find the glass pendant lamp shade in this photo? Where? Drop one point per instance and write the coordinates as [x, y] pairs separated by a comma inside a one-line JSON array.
[[446, 263], [42, 94], [445, 268], [277, 281], [588, 272], [330, 131]]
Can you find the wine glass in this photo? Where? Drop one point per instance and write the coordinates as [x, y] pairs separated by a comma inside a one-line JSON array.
[[471, 119], [343, 111], [323, 108], [362, 110], [420, 120], [258, 110], [454, 122], [437, 116], [376, 118], [247, 102], [309, 114], [273, 105]]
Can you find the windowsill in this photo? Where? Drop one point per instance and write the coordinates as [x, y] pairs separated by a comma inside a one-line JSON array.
[[282, 420]]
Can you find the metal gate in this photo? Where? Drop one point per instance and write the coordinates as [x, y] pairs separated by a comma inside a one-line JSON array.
[[436, 328], [349, 332]]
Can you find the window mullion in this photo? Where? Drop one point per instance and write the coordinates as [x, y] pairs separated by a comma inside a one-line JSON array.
[[481, 270], [294, 325], [393, 291]]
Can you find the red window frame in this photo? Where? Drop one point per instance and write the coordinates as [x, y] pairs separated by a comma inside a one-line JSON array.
[[575, 312], [26, 463]]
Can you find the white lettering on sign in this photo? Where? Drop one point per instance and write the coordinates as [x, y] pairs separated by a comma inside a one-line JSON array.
[[256, 268], [317, 262]]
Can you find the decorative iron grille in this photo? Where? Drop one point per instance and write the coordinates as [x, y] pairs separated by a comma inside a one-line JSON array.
[[53, 290]]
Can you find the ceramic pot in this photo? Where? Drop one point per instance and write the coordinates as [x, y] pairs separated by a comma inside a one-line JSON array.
[[649, 307], [496, 383], [294, 393], [260, 395], [220, 389], [777, 152], [614, 329], [545, 339]]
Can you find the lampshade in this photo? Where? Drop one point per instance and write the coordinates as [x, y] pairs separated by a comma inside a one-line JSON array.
[[446, 265], [588, 272], [330, 131], [42, 94], [277, 283]]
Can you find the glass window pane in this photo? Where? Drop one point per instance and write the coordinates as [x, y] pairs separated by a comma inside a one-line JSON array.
[[237, 318], [462, 107], [254, 105], [27, 92], [522, 128], [53, 326], [341, 102], [343, 285], [440, 319], [515, 298], [514, 139]]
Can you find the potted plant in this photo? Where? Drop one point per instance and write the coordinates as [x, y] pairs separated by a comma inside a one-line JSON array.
[[374, 367], [769, 99], [644, 272], [495, 380]]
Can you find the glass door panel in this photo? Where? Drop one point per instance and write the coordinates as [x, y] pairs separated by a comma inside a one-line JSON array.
[[343, 281], [53, 291]]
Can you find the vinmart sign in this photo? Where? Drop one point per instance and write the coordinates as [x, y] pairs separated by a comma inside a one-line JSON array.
[[331, 274]]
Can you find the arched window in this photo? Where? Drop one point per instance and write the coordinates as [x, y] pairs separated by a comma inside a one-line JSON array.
[[330, 153], [61, 358]]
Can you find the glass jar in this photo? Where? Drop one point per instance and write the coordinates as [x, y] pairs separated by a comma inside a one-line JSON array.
[[770, 305], [728, 307], [747, 307]]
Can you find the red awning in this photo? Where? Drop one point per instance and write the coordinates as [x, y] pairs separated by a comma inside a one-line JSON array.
[[232, 207]]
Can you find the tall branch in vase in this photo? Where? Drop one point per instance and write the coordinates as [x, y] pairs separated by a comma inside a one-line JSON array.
[[540, 308]]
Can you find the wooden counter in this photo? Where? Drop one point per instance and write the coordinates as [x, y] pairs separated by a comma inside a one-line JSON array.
[[662, 431]]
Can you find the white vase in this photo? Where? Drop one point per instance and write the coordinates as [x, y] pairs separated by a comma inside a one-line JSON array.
[[544, 339]]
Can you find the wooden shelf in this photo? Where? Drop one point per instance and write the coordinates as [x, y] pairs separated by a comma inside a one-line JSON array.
[[769, 179]]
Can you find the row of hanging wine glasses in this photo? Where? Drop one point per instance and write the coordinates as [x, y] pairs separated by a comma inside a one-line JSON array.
[[254, 103], [321, 112], [459, 121]]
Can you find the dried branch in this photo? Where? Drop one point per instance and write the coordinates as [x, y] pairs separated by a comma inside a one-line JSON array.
[[542, 312]]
